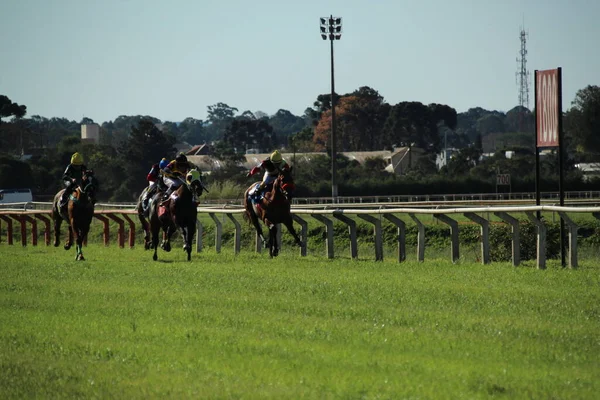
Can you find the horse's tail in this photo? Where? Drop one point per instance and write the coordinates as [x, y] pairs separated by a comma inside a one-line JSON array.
[[247, 208]]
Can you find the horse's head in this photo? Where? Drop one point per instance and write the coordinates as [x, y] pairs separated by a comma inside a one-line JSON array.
[[193, 181], [285, 183], [89, 185]]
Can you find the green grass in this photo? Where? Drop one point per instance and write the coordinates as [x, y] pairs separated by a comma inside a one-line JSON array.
[[121, 326]]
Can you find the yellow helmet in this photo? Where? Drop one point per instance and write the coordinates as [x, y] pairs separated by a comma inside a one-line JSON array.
[[276, 157], [77, 159], [193, 175]]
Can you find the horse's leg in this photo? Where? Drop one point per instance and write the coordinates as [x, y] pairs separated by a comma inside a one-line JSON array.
[[289, 224], [256, 223], [188, 237], [273, 245], [69, 236], [155, 227], [166, 244], [146, 228], [78, 245], [57, 222], [82, 232]]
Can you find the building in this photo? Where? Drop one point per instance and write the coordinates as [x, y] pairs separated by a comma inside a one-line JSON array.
[[443, 157], [590, 170], [90, 133], [397, 161]]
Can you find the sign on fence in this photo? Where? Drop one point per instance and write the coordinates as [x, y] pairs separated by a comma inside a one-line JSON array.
[[503, 179], [547, 96]]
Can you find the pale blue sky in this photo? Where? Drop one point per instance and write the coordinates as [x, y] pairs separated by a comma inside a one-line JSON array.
[[172, 59]]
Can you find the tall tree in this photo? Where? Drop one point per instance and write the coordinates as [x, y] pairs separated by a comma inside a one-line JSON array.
[[9, 108], [285, 123], [145, 146], [582, 122], [219, 116]]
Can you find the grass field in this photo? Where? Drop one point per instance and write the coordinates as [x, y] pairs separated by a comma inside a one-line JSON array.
[[222, 326]]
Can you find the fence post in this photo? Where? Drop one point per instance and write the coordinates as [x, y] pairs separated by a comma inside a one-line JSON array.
[[121, 231], [106, 229], [218, 231], [541, 239], [420, 237], [378, 237], [131, 231], [303, 233], [198, 236], [329, 231], [47, 230], [34, 232], [516, 235], [238, 233], [351, 230], [401, 225], [454, 250], [572, 226], [485, 235]]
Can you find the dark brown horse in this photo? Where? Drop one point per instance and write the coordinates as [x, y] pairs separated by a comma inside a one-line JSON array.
[[144, 216], [178, 212], [78, 212], [273, 208]]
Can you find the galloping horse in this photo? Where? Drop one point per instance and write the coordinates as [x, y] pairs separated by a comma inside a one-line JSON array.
[[180, 211], [78, 212], [273, 209], [144, 216]]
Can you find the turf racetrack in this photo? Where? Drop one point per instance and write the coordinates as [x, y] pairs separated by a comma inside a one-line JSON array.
[[119, 325]]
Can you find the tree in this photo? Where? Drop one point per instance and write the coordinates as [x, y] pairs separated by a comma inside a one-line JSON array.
[[302, 142], [219, 116], [582, 122], [242, 134], [10, 109], [191, 130], [145, 146], [490, 124], [285, 123]]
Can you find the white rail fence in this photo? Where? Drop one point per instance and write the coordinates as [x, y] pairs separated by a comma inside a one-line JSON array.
[[107, 212], [375, 217]]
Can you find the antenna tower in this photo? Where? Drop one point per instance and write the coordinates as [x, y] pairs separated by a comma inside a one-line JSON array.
[[522, 76]]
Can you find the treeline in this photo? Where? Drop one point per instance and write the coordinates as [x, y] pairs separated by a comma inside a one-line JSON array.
[[130, 144]]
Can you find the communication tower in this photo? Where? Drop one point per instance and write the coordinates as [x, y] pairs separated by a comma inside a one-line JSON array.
[[522, 76]]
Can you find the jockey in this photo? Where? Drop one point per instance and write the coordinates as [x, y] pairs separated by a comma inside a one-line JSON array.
[[273, 166], [72, 177], [155, 181], [174, 172]]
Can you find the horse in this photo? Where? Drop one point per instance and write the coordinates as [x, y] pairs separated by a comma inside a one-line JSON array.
[[179, 211], [78, 212], [273, 208], [144, 215]]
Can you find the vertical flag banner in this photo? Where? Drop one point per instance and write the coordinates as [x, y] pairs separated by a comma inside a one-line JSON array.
[[547, 96]]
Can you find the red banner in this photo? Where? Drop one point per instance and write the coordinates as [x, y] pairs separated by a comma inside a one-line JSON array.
[[547, 107]]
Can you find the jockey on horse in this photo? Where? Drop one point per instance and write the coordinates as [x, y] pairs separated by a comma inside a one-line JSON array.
[[173, 174], [155, 182], [72, 177], [273, 166]]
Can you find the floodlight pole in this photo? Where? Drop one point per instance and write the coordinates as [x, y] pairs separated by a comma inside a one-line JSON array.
[[334, 188], [331, 29]]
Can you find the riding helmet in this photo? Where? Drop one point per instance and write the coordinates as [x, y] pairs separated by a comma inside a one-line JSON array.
[[276, 157], [77, 159], [181, 158]]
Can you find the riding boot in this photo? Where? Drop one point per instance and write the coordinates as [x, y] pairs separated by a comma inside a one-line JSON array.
[[64, 198]]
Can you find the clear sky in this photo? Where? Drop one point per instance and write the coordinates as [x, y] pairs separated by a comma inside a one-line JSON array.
[[172, 59]]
